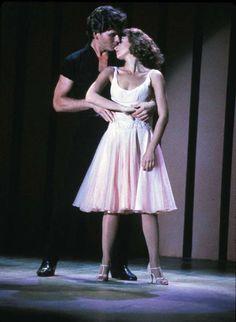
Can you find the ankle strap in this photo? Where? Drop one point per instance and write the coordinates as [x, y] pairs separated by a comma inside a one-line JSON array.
[[155, 267]]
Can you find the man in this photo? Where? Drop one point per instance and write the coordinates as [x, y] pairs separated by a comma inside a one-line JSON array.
[[79, 71]]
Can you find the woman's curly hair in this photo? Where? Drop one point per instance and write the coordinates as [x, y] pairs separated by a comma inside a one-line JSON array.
[[144, 48]]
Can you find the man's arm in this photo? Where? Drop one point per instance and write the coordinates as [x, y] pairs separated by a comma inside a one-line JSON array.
[[144, 110], [63, 103]]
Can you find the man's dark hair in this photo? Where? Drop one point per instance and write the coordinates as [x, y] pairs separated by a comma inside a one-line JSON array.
[[105, 18]]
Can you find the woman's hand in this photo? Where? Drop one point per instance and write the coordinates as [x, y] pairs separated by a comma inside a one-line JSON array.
[[107, 115], [148, 161]]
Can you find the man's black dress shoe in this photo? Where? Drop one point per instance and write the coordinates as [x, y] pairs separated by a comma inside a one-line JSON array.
[[47, 268], [123, 273]]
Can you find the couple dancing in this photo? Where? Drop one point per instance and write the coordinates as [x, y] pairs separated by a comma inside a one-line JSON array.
[[128, 173]]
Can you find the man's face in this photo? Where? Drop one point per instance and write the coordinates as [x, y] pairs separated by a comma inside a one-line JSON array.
[[107, 40]]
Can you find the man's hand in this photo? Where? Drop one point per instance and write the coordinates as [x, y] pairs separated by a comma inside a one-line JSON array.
[[105, 114], [144, 110]]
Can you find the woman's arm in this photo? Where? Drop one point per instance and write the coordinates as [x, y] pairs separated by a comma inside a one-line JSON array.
[[93, 93], [158, 84]]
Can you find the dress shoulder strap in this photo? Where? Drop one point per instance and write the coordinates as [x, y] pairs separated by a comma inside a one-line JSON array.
[[114, 79], [115, 71], [150, 72], [148, 77]]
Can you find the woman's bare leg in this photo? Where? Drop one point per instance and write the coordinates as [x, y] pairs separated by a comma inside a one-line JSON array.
[[109, 229], [151, 233]]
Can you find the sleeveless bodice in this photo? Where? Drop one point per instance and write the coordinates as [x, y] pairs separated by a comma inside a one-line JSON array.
[[116, 182], [128, 97]]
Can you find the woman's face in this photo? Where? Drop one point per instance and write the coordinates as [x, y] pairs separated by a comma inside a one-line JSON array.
[[122, 49]]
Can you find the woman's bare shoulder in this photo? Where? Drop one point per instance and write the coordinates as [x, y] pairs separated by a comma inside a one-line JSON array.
[[157, 76]]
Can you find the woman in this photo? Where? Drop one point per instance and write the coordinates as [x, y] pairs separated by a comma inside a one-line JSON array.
[[128, 173]]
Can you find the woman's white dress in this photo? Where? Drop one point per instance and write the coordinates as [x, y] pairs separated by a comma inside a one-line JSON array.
[[115, 181]]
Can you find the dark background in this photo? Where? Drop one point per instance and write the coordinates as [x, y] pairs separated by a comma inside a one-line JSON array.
[[35, 37]]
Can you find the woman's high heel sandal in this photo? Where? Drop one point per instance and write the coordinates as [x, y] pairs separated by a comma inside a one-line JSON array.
[[103, 274], [157, 276]]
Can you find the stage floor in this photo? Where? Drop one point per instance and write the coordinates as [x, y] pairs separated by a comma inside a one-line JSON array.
[[201, 292]]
